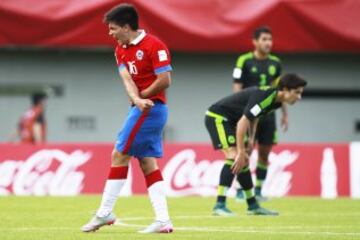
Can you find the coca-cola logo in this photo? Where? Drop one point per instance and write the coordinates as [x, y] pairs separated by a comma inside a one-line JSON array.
[[46, 172], [186, 175], [278, 180]]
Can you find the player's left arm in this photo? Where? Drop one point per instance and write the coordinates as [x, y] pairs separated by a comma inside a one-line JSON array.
[[247, 122], [162, 82], [38, 125], [160, 58], [284, 111], [284, 117], [37, 133], [252, 134], [242, 156], [243, 153]]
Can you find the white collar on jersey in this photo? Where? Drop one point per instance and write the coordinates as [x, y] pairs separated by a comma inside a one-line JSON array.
[[138, 38]]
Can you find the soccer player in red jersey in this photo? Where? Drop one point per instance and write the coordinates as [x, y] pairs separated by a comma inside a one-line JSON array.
[[144, 66], [32, 126]]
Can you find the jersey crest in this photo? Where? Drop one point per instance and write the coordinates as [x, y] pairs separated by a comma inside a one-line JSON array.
[[272, 70], [139, 55]]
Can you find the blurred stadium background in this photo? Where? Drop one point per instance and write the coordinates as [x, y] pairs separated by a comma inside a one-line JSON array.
[[62, 47]]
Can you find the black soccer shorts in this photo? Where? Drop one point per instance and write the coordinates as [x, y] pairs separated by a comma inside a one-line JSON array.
[[222, 131]]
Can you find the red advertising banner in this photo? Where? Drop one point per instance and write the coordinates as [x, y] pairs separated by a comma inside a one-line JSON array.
[[188, 169]]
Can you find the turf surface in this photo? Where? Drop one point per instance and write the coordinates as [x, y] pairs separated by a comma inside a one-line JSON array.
[[61, 218]]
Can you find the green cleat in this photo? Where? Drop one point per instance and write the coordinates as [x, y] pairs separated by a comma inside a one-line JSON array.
[[259, 197], [239, 195], [261, 211], [221, 210]]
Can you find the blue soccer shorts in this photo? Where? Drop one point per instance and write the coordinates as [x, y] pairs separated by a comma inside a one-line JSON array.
[[141, 134]]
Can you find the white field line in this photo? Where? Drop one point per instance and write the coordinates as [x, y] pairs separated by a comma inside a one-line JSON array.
[[24, 229], [244, 230], [173, 217], [216, 217], [250, 229], [195, 229]]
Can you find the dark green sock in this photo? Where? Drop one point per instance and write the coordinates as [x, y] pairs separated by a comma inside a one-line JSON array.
[[261, 171], [226, 178], [244, 178]]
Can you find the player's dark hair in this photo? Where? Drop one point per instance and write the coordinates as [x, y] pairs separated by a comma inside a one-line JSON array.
[[291, 81], [123, 14], [258, 31], [37, 98]]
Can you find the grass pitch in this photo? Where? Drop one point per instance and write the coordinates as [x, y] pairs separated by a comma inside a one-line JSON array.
[[53, 218]]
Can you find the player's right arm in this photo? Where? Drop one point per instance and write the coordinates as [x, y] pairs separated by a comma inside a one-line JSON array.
[[248, 121], [133, 91], [13, 136], [241, 154], [130, 86], [237, 87], [37, 124], [161, 62], [237, 84], [238, 73], [284, 121]]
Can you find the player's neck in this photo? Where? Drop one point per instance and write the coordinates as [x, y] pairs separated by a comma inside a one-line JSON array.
[[260, 55], [133, 35]]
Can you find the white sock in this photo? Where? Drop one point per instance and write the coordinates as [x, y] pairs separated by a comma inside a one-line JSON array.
[[110, 195], [158, 200]]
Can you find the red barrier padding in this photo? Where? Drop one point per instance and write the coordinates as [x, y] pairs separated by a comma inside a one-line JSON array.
[[191, 26], [187, 169]]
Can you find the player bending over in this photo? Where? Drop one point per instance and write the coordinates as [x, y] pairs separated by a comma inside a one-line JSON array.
[[228, 122]]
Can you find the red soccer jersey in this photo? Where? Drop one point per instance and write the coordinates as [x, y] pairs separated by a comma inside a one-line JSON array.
[[27, 122], [145, 57]]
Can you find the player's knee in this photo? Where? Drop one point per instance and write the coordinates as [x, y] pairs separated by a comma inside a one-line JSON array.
[[118, 159], [144, 166], [148, 165], [264, 151], [230, 153], [263, 158]]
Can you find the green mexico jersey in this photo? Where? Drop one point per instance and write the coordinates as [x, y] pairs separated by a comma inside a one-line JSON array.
[[254, 72], [253, 102]]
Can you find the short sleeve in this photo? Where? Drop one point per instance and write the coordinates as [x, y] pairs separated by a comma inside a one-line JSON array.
[[238, 69], [160, 57], [118, 57], [239, 72], [259, 103], [253, 108]]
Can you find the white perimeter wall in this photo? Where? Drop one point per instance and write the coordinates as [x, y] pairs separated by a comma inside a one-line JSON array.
[[93, 89]]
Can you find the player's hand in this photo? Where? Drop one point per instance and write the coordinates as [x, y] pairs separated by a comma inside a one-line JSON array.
[[144, 94], [144, 104], [240, 162], [284, 123]]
